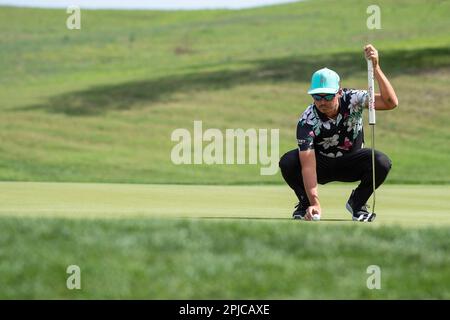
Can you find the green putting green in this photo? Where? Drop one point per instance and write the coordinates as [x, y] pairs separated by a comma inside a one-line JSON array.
[[407, 205]]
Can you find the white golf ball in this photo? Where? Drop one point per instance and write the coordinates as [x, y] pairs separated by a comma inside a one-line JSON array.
[[316, 217]]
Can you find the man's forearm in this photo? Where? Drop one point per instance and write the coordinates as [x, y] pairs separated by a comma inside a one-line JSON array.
[[386, 90], [310, 184]]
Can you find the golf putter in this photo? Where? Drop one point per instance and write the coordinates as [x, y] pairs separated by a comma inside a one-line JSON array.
[[372, 121]]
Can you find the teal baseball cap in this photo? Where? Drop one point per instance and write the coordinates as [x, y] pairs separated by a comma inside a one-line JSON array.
[[324, 81]]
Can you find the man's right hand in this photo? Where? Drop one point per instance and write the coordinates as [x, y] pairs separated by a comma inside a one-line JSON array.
[[312, 210]]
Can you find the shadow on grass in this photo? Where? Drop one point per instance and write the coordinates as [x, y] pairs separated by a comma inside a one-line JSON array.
[[101, 99], [242, 218], [263, 218]]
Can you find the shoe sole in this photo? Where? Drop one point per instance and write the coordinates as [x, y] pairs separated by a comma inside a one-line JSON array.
[[367, 218]]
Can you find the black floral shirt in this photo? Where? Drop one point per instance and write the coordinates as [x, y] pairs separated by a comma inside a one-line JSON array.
[[334, 137]]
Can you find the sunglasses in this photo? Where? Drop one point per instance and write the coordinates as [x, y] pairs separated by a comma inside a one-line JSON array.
[[327, 97]]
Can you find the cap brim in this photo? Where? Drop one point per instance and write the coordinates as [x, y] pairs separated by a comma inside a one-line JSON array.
[[323, 90]]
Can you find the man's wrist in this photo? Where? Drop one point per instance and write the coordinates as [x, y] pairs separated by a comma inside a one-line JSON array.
[[315, 201]]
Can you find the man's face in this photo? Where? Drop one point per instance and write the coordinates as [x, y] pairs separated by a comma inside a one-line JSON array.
[[324, 105]]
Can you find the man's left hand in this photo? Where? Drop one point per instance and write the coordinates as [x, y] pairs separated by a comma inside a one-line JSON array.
[[372, 54]]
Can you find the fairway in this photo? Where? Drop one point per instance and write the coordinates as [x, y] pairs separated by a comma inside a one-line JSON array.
[[396, 204]]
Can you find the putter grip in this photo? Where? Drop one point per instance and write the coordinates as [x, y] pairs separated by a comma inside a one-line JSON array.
[[371, 92]]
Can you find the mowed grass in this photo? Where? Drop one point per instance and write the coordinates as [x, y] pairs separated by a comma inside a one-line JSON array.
[[218, 242], [100, 104], [407, 205]]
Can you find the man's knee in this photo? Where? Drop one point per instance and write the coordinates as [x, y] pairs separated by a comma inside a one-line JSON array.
[[288, 161], [284, 162], [383, 163]]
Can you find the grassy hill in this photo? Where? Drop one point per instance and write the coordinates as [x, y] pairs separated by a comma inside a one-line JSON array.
[[99, 104]]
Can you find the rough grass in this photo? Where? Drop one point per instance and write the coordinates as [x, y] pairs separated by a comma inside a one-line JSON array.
[[233, 259]]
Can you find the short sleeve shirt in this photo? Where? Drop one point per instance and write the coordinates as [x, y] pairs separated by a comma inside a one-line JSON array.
[[334, 137]]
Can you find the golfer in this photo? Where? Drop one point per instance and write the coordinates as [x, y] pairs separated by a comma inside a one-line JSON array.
[[330, 143]]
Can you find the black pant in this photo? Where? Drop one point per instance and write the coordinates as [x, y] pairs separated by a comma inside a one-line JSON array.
[[355, 166]]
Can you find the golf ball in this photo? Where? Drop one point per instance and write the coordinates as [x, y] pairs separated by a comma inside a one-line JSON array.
[[316, 217]]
